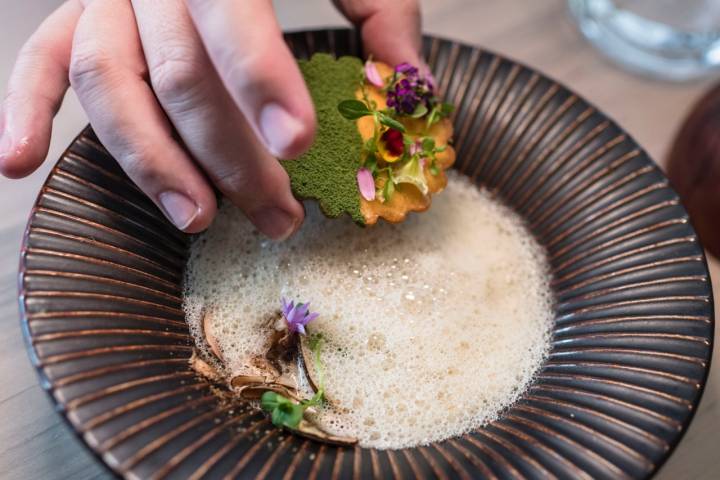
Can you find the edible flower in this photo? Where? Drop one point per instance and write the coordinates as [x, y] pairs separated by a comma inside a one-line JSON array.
[[391, 145], [297, 316], [366, 184], [412, 173], [372, 75], [416, 148], [412, 93]]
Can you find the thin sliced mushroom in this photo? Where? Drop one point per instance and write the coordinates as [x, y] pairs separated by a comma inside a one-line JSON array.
[[204, 368], [311, 431], [251, 387], [210, 337], [279, 372], [254, 392]]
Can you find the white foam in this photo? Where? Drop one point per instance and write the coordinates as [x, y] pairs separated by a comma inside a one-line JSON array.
[[433, 326]]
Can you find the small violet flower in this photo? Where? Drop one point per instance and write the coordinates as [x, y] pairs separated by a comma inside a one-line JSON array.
[[412, 89], [406, 68], [372, 75], [366, 184], [297, 316]]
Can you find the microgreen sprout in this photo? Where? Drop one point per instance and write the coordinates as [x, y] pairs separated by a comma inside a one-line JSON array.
[[287, 413]]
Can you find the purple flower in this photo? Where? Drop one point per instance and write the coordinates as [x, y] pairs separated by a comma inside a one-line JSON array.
[[372, 75], [366, 184], [406, 68], [297, 316], [410, 90]]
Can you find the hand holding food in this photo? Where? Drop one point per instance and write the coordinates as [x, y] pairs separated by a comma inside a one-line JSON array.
[[382, 144], [188, 96]]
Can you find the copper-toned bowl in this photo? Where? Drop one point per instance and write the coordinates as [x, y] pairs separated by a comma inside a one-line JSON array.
[[100, 281]]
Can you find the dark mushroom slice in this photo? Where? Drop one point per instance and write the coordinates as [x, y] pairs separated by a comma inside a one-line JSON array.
[[251, 387], [309, 430]]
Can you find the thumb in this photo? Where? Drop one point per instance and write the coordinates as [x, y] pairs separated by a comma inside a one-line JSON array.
[[390, 29]]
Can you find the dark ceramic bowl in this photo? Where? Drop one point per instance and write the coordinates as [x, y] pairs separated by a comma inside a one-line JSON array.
[[100, 293]]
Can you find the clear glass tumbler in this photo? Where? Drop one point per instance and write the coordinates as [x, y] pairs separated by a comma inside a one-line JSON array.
[[667, 39]]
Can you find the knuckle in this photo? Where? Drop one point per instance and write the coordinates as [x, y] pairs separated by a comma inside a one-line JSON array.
[[250, 71], [244, 185], [174, 78], [234, 182], [138, 166], [87, 66]]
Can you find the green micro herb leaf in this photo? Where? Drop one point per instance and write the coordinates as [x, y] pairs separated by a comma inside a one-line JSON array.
[[283, 411], [371, 163], [428, 144], [446, 109], [439, 110], [353, 109], [388, 190], [371, 145], [390, 122], [420, 111]]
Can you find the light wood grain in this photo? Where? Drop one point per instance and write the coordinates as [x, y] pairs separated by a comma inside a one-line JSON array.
[[36, 444]]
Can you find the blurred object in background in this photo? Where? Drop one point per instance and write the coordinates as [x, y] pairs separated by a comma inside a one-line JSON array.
[[694, 168], [666, 39]]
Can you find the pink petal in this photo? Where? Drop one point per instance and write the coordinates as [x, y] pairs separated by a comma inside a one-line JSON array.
[[372, 74], [415, 147], [366, 184], [310, 318]]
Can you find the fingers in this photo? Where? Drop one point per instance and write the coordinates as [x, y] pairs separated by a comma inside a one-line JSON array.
[[35, 91], [246, 46], [106, 70], [390, 29], [210, 124]]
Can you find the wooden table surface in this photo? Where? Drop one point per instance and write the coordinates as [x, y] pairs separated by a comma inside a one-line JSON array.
[[36, 444]]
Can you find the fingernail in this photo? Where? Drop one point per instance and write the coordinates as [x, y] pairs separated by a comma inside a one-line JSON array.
[[274, 222], [279, 129], [178, 208]]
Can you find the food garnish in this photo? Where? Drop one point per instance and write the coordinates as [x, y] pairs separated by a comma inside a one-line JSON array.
[[274, 379], [383, 140]]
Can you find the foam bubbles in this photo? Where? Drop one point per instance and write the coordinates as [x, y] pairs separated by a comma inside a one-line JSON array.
[[433, 326]]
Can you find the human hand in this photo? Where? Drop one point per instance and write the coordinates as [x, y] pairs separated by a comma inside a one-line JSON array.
[[186, 95]]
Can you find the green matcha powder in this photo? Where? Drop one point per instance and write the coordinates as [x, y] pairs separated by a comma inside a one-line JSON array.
[[327, 172]]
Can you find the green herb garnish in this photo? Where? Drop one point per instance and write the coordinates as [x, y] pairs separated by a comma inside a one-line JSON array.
[[287, 413]]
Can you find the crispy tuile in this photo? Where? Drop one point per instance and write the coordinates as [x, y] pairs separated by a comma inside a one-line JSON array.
[[407, 198]]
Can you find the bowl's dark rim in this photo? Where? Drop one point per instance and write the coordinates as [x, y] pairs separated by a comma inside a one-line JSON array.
[[47, 384], [711, 339]]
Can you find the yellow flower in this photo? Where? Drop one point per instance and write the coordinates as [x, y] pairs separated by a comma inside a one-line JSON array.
[[391, 146]]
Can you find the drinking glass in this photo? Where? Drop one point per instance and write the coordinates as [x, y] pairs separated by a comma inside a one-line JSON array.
[[667, 39]]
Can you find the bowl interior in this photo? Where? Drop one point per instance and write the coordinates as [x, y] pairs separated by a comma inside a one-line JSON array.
[[101, 273]]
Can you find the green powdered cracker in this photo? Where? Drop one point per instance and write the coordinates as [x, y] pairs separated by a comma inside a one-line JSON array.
[[327, 172]]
